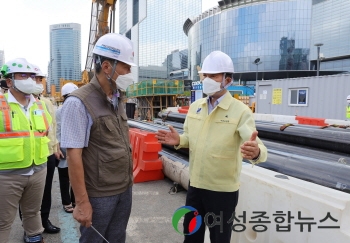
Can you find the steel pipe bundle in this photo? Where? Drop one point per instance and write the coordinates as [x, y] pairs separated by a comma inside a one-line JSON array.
[[337, 140], [324, 168]]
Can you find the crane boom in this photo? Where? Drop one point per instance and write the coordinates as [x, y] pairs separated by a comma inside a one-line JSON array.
[[100, 10]]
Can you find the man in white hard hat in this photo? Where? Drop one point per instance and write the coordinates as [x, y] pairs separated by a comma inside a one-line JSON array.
[[98, 150], [24, 151], [220, 132], [348, 108], [67, 195], [51, 159]]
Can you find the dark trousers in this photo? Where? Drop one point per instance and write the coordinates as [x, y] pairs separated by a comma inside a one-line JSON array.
[[67, 195], [210, 205], [46, 202], [110, 217]]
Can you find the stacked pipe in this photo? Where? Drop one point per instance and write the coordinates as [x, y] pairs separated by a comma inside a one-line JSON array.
[[324, 168], [337, 140]]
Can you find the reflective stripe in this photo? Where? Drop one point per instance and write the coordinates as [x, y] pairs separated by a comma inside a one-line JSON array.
[[21, 134], [40, 134], [6, 113], [14, 134], [40, 105]]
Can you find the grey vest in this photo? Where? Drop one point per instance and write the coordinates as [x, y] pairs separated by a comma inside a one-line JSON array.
[[107, 160]]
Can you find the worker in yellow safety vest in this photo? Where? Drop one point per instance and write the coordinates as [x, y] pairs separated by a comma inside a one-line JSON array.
[[24, 125], [348, 108]]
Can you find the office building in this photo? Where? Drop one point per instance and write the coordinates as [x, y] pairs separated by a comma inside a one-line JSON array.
[[156, 29], [65, 53], [269, 39], [2, 58]]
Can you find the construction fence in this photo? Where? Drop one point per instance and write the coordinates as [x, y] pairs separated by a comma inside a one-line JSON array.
[[155, 87]]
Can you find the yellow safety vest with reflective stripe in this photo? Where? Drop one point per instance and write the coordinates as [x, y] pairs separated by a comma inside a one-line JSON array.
[[348, 112], [23, 141]]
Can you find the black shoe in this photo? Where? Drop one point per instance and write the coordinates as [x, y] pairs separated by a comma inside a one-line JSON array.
[[51, 229]]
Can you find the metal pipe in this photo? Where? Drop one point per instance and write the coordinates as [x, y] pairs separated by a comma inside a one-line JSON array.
[[318, 166]]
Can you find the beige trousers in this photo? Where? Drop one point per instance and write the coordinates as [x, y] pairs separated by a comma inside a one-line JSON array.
[[26, 191]]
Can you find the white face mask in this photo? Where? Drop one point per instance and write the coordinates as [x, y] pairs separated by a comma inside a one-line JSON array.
[[210, 86], [26, 86], [123, 81], [38, 89]]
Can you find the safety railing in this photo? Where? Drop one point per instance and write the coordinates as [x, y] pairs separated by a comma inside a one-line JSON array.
[[155, 87]]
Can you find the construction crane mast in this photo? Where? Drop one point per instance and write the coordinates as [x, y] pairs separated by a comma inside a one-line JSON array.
[[102, 12]]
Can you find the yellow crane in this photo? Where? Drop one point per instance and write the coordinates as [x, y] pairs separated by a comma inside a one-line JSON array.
[[102, 22], [101, 12]]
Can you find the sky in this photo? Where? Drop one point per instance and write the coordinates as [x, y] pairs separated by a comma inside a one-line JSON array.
[[26, 24]]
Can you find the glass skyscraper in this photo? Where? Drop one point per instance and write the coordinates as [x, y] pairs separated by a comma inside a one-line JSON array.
[[331, 27], [156, 29], [2, 58], [65, 53], [277, 32], [281, 33]]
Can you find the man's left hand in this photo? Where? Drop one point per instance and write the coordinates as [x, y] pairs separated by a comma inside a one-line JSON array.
[[250, 149]]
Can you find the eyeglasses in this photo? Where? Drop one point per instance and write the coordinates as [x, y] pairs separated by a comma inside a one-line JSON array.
[[26, 75]]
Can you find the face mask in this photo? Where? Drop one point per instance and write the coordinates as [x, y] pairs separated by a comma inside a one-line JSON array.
[[123, 81], [26, 86], [38, 89], [210, 86]]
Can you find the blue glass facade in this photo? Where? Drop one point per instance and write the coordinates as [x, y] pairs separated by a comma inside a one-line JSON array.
[[331, 26], [65, 53], [2, 57], [122, 16], [278, 32], [155, 28]]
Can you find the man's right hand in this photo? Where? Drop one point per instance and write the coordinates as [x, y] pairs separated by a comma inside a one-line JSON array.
[[83, 213], [59, 155], [166, 137]]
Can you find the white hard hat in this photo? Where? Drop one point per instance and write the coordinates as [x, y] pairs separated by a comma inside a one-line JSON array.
[[18, 65], [348, 98], [115, 46], [68, 88], [217, 62], [38, 71]]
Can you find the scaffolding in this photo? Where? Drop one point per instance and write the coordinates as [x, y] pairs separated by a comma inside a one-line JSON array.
[[155, 95]]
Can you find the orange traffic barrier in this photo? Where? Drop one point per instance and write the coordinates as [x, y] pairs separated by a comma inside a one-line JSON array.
[[146, 163], [311, 121], [183, 109]]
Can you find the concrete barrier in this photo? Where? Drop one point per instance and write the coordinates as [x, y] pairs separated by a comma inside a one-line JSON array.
[[293, 120], [265, 195], [337, 122], [283, 208]]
